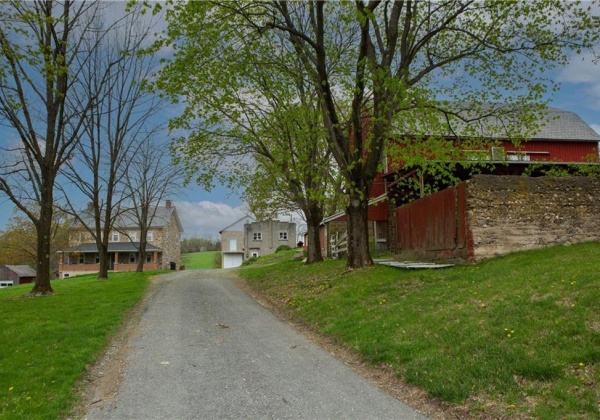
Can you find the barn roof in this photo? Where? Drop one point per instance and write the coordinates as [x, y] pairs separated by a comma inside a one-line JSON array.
[[22, 270], [499, 121], [565, 125]]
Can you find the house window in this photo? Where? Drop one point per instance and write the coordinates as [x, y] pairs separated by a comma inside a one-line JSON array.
[[97, 259], [148, 258], [115, 237], [131, 258], [133, 236], [150, 236], [82, 259], [283, 236], [255, 254], [257, 236]]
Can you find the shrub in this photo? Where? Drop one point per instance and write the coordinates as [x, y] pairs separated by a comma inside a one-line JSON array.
[[283, 248]]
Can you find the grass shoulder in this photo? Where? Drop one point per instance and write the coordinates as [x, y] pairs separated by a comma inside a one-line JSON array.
[[514, 336], [48, 342]]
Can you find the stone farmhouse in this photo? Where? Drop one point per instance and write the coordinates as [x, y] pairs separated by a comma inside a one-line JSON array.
[[163, 250]]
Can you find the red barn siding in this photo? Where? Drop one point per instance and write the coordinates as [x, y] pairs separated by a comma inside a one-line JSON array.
[[434, 226], [572, 151]]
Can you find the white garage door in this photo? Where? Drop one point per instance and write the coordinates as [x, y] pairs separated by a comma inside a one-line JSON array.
[[232, 260]]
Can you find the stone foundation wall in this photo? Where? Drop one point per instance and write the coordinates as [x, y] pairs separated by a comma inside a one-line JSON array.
[[512, 213]]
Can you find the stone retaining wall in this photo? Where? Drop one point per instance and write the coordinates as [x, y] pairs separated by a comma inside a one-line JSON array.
[[512, 213]]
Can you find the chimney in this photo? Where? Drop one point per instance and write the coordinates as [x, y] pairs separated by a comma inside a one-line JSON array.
[[168, 204]]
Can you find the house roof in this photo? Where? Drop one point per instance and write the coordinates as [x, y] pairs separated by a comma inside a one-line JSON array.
[[229, 227], [22, 270], [128, 220], [112, 247]]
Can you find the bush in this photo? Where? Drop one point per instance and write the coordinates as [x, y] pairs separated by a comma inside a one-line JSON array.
[[282, 248], [250, 261]]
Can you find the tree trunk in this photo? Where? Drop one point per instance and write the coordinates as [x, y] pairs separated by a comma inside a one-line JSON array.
[[141, 257], [314, 243], [44, 230], [104, 261], [358, 232]]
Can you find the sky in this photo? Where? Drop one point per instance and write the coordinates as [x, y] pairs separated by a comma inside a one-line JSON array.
[[204, 213]]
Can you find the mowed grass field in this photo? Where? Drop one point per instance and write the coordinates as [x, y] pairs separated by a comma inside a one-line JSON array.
[[513, 337], [201, 260], [46, 343]]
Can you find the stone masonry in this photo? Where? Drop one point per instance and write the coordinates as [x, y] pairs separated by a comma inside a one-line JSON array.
[[511, 213]]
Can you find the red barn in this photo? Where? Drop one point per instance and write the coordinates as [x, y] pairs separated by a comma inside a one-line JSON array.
[[563, 139], [563, 142]]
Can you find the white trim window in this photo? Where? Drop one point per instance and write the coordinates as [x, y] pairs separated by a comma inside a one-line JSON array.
[[149, 236], [148, 257], [115, 237], [283, 236], [257, 236], [133, 236]]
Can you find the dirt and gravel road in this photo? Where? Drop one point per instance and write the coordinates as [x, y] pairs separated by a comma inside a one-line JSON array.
[[201, 348]]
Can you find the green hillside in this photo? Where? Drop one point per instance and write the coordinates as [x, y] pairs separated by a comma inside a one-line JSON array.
[[515, 336]]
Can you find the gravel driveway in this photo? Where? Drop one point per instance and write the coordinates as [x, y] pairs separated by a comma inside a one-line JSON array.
[[206, 350]]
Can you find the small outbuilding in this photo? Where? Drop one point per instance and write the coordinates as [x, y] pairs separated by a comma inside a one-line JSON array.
[[11, 275]]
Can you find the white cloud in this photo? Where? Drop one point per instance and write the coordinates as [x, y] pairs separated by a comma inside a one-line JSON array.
[[584, 70], [581, 69], [207, 218]]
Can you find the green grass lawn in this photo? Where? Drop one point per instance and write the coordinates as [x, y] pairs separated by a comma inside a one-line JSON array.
[[513, 336], [47, 342], [200, 260]]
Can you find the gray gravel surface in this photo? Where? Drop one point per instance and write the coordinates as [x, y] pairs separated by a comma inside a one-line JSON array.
[[206, 350]]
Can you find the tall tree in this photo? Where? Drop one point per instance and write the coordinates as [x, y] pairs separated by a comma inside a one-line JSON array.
[[125, 114], [294, 170], [42, 49], [389, 59], [150, 178], [18, 244], [256, 123]]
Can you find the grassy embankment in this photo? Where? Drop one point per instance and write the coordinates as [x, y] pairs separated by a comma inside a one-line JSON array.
[[513, 336], [47, 342], [201, 260]]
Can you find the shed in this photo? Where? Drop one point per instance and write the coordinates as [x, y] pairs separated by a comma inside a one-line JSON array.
[[18, 274]]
